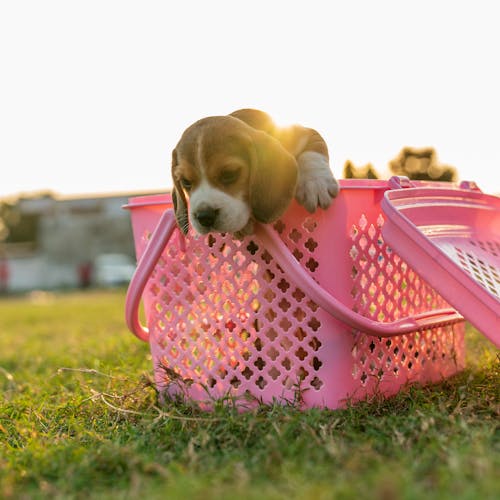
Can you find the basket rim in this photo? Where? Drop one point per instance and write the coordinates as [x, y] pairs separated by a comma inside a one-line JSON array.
[[149, 201], [345, 184]]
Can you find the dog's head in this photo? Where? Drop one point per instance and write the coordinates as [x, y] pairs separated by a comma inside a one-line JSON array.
[[227, 174]]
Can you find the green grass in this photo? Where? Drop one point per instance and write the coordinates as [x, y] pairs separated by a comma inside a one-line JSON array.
[[79, 418]]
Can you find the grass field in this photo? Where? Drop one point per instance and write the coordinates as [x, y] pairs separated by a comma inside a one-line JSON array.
[[79, 419]]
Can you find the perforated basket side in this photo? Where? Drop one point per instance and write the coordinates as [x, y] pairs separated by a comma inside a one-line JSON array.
[[226, 320], [223, 315]]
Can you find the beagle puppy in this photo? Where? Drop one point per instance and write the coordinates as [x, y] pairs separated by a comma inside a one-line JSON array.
[[229, 171]]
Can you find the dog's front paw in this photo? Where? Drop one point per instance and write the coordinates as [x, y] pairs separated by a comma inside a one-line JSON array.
[[316, 185], [245, 231]]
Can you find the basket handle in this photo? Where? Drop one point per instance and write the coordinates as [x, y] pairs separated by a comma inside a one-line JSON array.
[[147, 263], [282, 255], [337, 309]]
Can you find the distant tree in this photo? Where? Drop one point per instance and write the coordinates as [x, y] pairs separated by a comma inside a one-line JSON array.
[[365, 172], [15, 226], [421, 164], [6, 215]]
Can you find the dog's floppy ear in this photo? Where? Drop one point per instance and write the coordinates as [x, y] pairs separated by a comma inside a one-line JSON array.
[[179, 199], [273, 178]]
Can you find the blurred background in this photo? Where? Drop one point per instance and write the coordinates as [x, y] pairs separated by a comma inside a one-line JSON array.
[[94, 96]]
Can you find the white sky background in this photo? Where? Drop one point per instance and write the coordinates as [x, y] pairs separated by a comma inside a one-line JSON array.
[[94, 95]]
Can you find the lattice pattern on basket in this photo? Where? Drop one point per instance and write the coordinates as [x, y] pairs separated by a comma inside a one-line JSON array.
[[478, 258], [385, 288], [226, 316], [408, 356]]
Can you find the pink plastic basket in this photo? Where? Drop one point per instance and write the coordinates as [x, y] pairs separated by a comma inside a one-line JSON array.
[[315, 307]]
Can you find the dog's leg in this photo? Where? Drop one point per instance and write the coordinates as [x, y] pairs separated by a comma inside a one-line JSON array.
[[316, 185]]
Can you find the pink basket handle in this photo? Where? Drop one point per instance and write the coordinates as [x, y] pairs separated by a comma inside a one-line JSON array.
[[421, 321], [163, 233], [147, 263]]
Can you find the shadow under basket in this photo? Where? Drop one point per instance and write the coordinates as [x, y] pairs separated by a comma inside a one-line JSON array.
[[315, 308]]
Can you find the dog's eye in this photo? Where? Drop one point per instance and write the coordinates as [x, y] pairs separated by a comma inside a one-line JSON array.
[[186, 183], [229, 176]]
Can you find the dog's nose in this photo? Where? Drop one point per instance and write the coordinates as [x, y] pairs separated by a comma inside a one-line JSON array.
[[206, 216]]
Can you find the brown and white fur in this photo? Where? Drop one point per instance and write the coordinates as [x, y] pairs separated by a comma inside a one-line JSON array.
[[229, 171]]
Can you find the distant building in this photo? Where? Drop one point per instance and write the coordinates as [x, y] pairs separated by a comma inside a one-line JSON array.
[[57, 239]]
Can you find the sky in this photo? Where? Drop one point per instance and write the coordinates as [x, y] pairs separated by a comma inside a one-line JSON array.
[[94, 95]]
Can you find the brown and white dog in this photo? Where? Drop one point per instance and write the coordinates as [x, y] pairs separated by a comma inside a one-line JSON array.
[[241, 168]]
